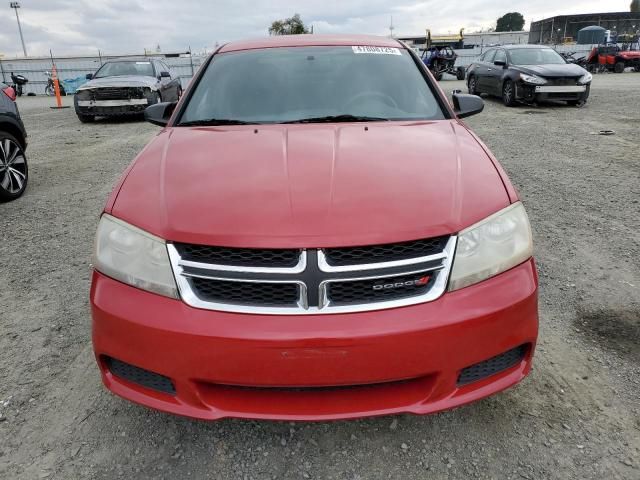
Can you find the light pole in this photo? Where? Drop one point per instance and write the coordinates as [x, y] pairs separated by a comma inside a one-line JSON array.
[[16, 6]]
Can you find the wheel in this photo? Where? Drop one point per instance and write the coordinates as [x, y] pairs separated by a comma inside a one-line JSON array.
[[637, 68], [619, 67], [14, 172], [438, 75], [48, 90], [460, 73], [179, 93], [473, 86], [85, 118], [509, 93]]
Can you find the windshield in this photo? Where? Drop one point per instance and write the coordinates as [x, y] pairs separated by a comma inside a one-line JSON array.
[[535, 56], [277, 85], [114, 69]]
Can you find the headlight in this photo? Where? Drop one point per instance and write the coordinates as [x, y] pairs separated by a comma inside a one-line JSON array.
[[133, 256], [494, 245], [586, 78], [532, 79]]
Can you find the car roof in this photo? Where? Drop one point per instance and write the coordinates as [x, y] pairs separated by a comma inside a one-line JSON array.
[[311, 40], [129, 59], [512, 47]]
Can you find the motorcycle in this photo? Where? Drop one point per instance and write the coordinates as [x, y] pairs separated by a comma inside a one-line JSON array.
[[50, 89], [18, 82]]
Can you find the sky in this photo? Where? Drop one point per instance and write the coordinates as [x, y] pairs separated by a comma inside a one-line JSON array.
[[74, 27]]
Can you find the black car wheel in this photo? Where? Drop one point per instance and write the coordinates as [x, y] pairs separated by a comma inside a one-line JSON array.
[[619, 67], [86, 118], [473, 86], [509, 93], [13, 168], [576, 103], [460, 73]]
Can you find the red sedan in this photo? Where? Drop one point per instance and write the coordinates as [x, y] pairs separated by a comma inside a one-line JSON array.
[[314, 234]]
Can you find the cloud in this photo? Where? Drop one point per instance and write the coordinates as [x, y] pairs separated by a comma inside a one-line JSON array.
[[130, 26]]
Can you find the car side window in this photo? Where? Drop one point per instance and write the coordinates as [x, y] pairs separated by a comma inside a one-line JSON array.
[[488, 57], [501, 56]]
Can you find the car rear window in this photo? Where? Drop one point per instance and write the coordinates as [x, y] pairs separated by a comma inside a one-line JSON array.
[[274, 85]]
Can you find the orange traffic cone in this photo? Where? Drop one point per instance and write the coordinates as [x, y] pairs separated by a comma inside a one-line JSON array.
[[56, 87]]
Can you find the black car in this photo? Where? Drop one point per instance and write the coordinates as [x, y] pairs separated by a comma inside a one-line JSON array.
[[126, 86], [528, 73], [13, 142]]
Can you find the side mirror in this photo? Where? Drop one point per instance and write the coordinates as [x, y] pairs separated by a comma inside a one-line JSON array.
[[160, 113], [465, 105], [89, 76], [500, 63], [165, 75]]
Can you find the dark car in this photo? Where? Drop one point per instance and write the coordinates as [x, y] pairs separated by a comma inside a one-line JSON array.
[[126, 86], [13, 142], [528, 73]]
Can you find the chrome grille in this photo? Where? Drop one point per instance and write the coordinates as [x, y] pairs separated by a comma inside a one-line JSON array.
[[312, 281], [247, 257], [246, 293], [372, 290], [117, 93], [384, 253]]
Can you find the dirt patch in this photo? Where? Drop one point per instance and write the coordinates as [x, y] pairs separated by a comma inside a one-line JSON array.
[[617, 328]]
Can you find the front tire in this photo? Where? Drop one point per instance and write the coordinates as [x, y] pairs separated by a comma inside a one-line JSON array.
[[49, 91], [86, 118], [509, 93], [14, 172], [460, 73], [619, 67], [473, 86]]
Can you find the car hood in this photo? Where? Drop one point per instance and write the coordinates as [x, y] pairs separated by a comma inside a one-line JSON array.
[[121, 81], [314, 185], [553, 70]]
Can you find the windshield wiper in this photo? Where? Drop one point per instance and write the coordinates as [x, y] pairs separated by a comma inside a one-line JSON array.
[[339, 118], [214, 121]]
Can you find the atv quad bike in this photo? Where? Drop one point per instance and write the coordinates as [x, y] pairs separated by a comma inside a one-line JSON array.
[[441, 60], [614, 58]]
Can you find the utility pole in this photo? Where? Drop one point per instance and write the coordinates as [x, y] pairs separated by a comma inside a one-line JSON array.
[[391, 27], [16, 6]]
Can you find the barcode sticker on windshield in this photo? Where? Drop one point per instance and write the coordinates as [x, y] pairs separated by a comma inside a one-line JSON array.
[[376, 50]]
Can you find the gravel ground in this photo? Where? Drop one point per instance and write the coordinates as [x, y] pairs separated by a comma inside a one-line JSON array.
[[577, 415]]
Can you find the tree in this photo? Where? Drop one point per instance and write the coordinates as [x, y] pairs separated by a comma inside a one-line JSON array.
[[511, 22], [635, 6], [288, 26]]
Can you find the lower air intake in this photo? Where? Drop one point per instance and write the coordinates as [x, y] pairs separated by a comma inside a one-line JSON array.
[[140, 376], [492, 366]]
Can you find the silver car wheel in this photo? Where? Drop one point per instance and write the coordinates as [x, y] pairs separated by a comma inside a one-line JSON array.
[[13, 166]]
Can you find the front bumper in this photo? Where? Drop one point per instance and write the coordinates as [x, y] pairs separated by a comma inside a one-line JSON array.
[[316, 367], [542, 93]]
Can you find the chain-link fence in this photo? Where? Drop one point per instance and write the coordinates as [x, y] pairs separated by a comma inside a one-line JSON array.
[[467, 56], [184, 66], [35, 69]]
